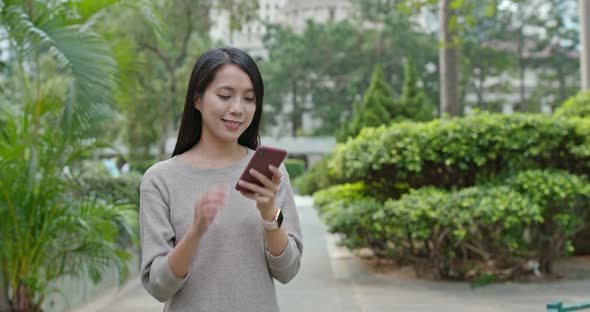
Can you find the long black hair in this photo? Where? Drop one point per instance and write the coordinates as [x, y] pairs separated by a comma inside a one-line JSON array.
[[202, 75]]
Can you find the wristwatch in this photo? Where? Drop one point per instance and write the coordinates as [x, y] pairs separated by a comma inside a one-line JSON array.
[[275, 223]]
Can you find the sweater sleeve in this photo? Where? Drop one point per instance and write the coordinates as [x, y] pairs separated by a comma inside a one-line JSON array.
[[285, 266], [157, 240]]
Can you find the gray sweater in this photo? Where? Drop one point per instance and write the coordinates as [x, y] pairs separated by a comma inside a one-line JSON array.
[[231, 270]]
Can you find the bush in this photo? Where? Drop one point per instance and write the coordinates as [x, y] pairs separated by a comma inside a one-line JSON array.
[[317, 177], [141, 166], [121, 190], [456, 153], [477, 231], [339, 195], [565, 200], [576, 106], [295, 167]]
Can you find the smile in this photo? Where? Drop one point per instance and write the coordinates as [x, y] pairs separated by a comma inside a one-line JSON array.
[[232, 124]]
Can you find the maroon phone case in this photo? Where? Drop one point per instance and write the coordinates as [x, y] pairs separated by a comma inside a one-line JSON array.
[[263, 156]]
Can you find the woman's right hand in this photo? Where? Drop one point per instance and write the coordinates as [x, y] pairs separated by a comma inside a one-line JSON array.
[[207, 207]]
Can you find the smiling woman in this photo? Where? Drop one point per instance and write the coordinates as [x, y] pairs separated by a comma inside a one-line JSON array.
[[206, 246]]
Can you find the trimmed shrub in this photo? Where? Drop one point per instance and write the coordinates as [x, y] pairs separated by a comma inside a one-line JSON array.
[[576, 106], [483, 230], [456, 153], [295, 167], [317, 177]]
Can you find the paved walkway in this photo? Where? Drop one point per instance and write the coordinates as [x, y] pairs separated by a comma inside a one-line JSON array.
[[332, 281]]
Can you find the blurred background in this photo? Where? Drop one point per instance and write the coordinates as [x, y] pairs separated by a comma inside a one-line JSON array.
[[451, 137]]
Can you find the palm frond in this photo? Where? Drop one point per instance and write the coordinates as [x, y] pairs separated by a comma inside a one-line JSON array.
[[84, 54]]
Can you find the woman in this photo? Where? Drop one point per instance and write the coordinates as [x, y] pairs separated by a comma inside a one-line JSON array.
[[205, 246]]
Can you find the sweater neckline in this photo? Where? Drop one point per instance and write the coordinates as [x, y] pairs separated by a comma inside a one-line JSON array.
[[185, 166]]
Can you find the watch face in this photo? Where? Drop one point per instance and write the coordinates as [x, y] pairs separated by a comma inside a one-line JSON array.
[[280, 218]]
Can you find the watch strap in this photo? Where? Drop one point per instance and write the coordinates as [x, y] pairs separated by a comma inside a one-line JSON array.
[[275, 223]]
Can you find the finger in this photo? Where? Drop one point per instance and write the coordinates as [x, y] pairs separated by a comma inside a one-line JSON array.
[[257, 197], [252, 196], [220, 190], [262, 178], [275, 171], [256, 189], [277, 175], [209, 212], [215, 196]]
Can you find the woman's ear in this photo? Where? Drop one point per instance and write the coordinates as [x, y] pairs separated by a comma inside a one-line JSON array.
[[197, 104]]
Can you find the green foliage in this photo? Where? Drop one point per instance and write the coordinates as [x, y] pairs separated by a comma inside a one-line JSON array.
[[295, 167], [413, 103], [317, 177], [473, 232], [377, 104], [565, 200], [341, 195], [331, 64], [47, 230], [141, 166], [376, 109], [379, 108], [353, 126], [578, 105], [61, 78], [122, 190], [460, 152]]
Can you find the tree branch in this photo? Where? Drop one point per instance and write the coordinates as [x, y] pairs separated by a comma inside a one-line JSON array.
[[160, 54], [187, 35]]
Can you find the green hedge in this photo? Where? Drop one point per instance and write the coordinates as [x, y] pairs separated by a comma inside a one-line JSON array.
[[455, 153], [141, 166], [317, 177], [295, 167], [466, 234], [339, 195], [576, 106], [122, 190]]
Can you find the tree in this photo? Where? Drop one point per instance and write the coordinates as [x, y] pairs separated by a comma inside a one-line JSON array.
[[377, 106], [584, 8], [353, 126], [555, 58], [239, 12], [59, 83], [376, 109], [329, 66], [483, 60], [170, 52], [448, 63], [413, 103]]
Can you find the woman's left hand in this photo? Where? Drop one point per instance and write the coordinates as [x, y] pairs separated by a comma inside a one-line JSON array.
[[263, 195]]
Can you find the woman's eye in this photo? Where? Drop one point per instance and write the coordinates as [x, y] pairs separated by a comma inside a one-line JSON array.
[[250, 99], [224, 97]]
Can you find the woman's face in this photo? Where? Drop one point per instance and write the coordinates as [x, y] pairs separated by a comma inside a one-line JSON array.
[[228, 105]]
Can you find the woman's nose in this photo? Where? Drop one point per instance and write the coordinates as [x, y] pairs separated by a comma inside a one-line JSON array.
[[236, 106]]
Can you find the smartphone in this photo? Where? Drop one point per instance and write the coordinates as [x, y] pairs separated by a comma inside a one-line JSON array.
[[262, 158]]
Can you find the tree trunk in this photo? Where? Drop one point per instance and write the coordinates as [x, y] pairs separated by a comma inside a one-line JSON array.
[[294, 111], [584, 7], [168, 119], [522, 69], [448, 63], [4, 304], [562, 85], [24, 301], [479, 90], [522, 107]]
